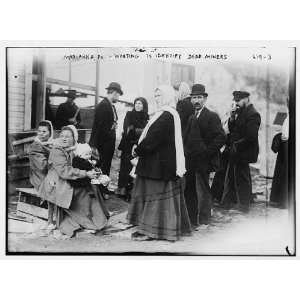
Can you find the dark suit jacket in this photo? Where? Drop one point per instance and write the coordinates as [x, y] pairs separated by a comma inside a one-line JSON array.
[[203, 139], [185, 109], [157, 153], [66, 111], [81, 164], [103, 122], [243, 135]]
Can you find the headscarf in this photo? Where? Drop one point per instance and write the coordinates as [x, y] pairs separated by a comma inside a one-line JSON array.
[[73, 129], [50, 140], [139, 119], [75, 132], [168, 100], [82, 149], [184, 91], [168, 96]]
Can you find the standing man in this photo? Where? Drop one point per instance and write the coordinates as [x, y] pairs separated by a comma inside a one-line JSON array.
[[103, 136], [242, 149], [68, 112], [203, 139]]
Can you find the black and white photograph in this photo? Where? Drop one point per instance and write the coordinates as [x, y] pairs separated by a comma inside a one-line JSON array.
[[186, 151]]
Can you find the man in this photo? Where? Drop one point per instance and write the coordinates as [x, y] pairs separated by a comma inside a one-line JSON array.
[[103, 136], [242, 149], [68, 112], [203, 139]]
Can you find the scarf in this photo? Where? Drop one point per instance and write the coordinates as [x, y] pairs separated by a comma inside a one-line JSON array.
[[50, 141]]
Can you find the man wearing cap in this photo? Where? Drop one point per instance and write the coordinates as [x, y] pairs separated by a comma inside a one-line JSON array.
[[103, 136], [242, 149], [68, 112], [203, 139]]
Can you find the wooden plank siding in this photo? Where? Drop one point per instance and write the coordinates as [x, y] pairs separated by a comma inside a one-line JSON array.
[[19, 94]]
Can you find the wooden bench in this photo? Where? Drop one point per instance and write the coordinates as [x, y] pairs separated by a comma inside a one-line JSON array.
[[23, 207]]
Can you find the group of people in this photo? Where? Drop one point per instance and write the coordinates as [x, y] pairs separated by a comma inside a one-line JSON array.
[[166, 162]]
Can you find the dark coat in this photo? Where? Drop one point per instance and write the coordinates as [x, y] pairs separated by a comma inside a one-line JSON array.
[[243, 136], [185, 109], [103, 123], [279, 191], [133, 125], [81, 164], [66, 111], [157, 153], [204, 136]]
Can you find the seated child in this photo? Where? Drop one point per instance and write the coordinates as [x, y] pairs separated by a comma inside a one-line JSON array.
[[83, 161]]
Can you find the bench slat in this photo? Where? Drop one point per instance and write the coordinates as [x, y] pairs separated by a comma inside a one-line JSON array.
[[29, 191]]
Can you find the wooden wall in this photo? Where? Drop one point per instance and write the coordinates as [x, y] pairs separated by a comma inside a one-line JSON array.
[[19, 77], [16, 95]]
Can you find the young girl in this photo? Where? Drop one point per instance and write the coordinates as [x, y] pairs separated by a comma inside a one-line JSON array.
[[38, 160]]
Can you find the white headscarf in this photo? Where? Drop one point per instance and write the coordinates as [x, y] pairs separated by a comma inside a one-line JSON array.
[[168, 101], [167, 96], [75, 132], [82, 149], [184, 91], [50, 140]]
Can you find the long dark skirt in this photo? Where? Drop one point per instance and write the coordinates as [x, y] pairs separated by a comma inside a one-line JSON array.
[[158, 209], [125, 167], [87, 211], [279, 192]]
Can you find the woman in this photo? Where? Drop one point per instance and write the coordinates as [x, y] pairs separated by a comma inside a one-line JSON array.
[[134, 123], [158, 207], [38, 153], [279, 191], [79, 207]]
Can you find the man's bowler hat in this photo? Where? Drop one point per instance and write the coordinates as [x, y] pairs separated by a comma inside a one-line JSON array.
[[115, 87], [198, 89]]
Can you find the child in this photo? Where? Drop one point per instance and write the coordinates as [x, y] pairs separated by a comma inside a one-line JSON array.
[[38, 153], [83, 161]]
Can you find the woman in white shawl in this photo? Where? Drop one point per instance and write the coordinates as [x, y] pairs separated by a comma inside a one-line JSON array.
[[158, 207]]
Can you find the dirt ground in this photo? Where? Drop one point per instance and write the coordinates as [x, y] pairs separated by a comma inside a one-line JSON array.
[[263, 231]]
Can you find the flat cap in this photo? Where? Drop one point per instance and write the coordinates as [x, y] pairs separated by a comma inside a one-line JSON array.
[[239, 95]]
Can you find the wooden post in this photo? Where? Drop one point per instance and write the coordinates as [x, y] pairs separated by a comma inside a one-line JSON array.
[[97, 81], [41, 87]]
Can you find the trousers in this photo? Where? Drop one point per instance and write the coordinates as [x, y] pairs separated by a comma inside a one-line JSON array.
[[198, 197], [106, 153], [237, 186]]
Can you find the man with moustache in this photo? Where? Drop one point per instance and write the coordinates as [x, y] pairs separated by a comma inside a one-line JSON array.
[[103, 136], [203, 139], [242, 149]]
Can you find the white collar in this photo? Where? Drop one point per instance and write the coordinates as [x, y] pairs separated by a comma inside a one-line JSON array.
[[199, 112]]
